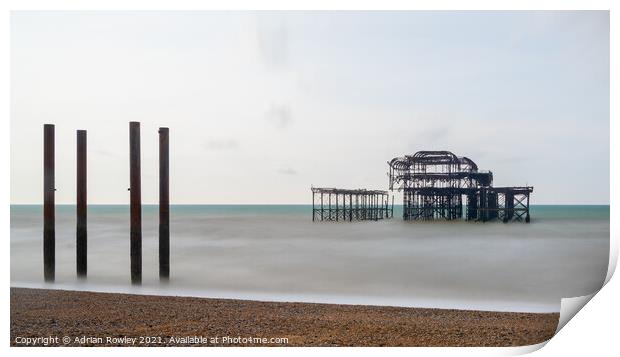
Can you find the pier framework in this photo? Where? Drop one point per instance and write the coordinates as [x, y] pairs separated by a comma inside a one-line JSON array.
[[440, 185], [334, 204]]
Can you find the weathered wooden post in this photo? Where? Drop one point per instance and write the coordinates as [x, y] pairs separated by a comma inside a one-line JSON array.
[[135, 202], [164, 206], [81, 227], [49, 226]]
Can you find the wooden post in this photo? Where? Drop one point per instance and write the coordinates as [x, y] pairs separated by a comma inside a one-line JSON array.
[[81, 227], [135, 235], [49, 226], [164, 206]]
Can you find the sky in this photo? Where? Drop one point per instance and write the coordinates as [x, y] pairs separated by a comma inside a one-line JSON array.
[[262, 105]]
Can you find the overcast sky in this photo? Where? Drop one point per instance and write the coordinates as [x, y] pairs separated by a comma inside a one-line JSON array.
[[261, 106]]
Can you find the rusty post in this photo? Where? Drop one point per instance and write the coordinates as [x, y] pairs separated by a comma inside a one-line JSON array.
[[49, 226], [135, 242], [164, 206], [81, 227]]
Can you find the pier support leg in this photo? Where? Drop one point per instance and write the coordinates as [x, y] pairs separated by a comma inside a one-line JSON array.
[[337, 207], [329, 209], [376, 206], [135, 242], [527, 215], [164, 206], [49, 225], [312, 206], [350, 207], [321, 206], [81, 204]]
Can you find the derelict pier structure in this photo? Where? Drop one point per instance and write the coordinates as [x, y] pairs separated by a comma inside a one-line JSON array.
[[438, 185], [334, 204]]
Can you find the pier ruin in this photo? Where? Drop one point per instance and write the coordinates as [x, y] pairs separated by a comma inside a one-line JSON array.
[[438, 185], [334, 204]]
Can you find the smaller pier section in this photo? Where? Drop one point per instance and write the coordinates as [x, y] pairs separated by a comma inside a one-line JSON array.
[[336, 204]]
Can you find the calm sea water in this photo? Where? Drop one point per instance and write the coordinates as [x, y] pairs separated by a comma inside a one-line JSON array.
[[276, 252]]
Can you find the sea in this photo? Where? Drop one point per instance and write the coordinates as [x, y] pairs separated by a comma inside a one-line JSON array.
[[277, 253]]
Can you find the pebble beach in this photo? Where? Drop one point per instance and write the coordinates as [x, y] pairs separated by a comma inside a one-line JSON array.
[[111, 319]]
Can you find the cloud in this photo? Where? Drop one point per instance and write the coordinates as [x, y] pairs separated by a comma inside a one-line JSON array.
[[437, 133], [279, 115], [272, 42], [287, 171], [224, 144]]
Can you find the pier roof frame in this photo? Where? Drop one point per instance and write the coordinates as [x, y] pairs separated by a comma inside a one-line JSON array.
[[433, 158], [359, 191]]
